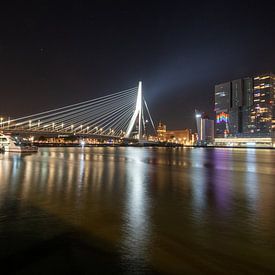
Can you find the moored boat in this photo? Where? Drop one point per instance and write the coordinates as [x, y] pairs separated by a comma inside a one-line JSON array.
[[16, 144]]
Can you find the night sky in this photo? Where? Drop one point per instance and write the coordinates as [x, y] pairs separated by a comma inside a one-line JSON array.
[[55, 53]]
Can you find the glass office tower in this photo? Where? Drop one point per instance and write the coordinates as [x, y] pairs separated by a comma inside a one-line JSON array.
[[262, 112], [222, 103], [246, 107]]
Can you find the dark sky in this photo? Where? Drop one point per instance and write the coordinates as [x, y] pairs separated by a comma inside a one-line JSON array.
[[54, 53]]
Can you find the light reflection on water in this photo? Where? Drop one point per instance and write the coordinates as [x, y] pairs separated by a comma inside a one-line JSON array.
[[170, 210], [136, 226]]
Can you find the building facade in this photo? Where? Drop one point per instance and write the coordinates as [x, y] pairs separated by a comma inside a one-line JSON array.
[[245, 107], [179, 136], [174, 136], [205, 129], [161, 132], [222, 104], [262, 112]]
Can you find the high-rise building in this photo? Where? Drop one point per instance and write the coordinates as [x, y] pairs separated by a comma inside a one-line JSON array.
[[222, 104], [262, 112], [246, 107], [205, 128]]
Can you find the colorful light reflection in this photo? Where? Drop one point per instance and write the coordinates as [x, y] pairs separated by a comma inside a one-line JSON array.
[[222, 117]]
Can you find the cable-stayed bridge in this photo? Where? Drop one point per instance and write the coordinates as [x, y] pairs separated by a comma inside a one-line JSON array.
[[121, 115]]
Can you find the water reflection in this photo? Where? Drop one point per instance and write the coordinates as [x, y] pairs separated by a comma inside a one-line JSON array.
[[136, 228], [199, 179], [252, 181], [222, 179], [211, 175], [156, 209]]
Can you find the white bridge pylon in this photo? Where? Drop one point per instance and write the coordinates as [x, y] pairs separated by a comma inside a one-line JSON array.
[[137, 114]]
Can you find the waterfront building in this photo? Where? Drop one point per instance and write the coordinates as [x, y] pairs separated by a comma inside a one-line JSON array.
[[194, 138], [222, 103], [174, 136], [179, 136], [263, 110], [205, 128], [233, 102], [161, 132], [245, 108], [245, 142]]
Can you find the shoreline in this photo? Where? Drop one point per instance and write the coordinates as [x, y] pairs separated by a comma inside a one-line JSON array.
[[149, 145]]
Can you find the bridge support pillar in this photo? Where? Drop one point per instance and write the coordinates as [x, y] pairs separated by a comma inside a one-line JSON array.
[[137, 114]]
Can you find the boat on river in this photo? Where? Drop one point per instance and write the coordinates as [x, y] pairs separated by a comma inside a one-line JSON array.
[[16, 144]]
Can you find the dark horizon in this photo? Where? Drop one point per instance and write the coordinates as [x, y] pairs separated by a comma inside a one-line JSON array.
[[55, 54]]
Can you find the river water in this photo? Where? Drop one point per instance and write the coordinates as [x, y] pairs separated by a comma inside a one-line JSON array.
[[138, 210]]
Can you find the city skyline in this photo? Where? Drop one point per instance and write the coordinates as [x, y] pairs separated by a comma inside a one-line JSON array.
[[137, 137], [56, 54]]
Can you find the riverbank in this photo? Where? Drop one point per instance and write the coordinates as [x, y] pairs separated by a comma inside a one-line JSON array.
[[168, 145]]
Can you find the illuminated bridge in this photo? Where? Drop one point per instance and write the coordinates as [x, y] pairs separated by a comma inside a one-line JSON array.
[[122, 115]]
